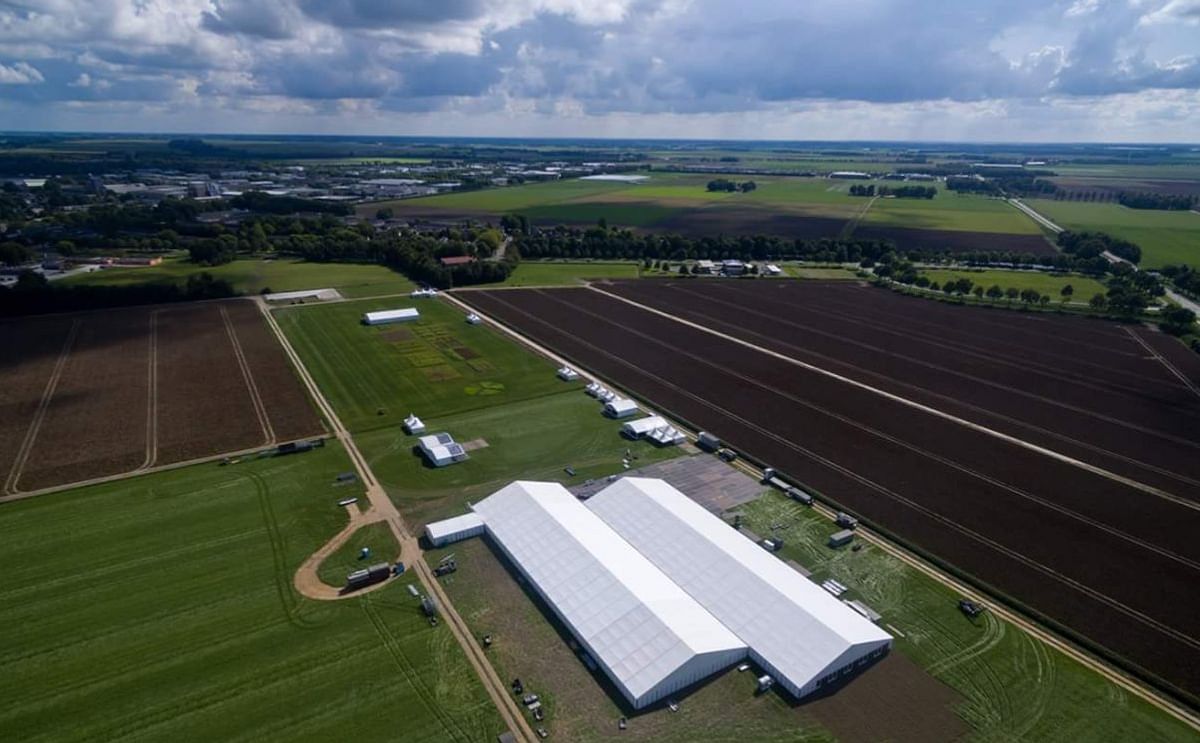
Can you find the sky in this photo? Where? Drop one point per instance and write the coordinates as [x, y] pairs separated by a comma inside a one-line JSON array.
[[928, 70]]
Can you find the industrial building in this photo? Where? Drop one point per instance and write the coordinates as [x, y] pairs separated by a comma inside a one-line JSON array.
[[384, 317], [662, 593], [650, 638], [797, 632]]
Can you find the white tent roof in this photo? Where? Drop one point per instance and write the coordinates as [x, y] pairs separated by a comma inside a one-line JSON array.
[[621, 406], [643, 426], [382, 316], [633, 619], [441, 530], [787, 620]]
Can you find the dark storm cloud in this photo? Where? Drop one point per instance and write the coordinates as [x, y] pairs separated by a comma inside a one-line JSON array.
[[264, 20]]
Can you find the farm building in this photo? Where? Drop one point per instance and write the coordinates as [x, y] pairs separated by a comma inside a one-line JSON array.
[[306, 294], [441, 450], [856, 175], [733, 267], [448, 531], [384, 317], [650, 638], [662, 593], [620, 407], [798, 633]]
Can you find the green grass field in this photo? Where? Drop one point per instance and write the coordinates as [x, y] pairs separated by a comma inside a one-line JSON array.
[[162, 608], [1046, 283], [951, 211], [251, 276], [1165, 237], [345, 560], [554, 273], [436, 366], [1014, 687], [662, 197], [533, 439]]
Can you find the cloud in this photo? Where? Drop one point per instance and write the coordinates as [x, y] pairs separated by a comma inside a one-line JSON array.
[[20, 73], [1184, 11], [497, 62]]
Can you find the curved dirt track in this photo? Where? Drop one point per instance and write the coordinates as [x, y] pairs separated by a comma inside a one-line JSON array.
[[307, 580]]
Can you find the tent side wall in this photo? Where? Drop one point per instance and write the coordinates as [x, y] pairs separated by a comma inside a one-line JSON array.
[[854, 659], [697, 669]]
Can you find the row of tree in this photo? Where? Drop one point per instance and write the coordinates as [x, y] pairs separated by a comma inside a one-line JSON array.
[[1086, 245], [900, 192], [1169, 202], [724, 184], [33, 294]]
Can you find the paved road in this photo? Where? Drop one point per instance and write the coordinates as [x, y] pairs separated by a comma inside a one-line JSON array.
[[1173, 295]]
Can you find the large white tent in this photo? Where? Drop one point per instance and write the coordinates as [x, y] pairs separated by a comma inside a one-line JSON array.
[[648, 635], [798, 632]]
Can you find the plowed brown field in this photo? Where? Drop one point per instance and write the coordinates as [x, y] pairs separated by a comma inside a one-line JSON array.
[[140, 387], [1106, 550]]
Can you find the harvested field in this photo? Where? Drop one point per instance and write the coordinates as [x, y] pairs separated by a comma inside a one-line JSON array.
[[32, 348], [1077, 547], [104, 393], [955, 241], [291, 413], [203, 403], [95, 424], [749, 220]]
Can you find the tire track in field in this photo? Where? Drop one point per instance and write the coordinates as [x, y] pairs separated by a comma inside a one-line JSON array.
[[1170, 474], [10, 484], [993, 633], [281, 573], [152, 396], [402, 661], [886, 492], [260, 409], [1166, 364], [964, 375]]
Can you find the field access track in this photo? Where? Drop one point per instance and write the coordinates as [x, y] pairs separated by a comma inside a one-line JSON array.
[[1113, 562], [98, 394]]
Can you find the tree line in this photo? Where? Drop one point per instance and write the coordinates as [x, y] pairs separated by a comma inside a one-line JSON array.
[[900, 192], [724, 184], [1168, 202], [34, 295], [1085, 245]]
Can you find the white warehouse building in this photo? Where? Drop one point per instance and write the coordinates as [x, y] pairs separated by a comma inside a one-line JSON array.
[[663, 593], [648, 635], [383, 317], [798, 632]]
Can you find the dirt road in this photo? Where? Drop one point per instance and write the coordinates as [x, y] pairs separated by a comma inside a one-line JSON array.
[[382, 509]]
